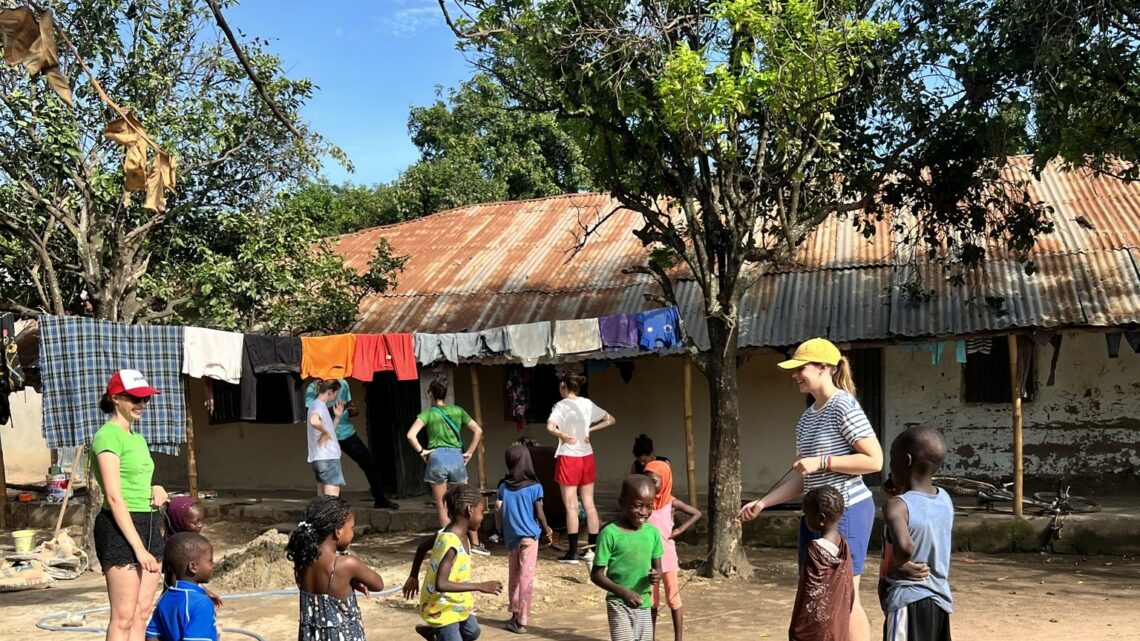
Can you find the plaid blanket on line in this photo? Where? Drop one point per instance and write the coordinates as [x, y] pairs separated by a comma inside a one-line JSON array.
[[78, 355]]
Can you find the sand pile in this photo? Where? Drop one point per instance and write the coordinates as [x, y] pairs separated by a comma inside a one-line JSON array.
[[256, 566]]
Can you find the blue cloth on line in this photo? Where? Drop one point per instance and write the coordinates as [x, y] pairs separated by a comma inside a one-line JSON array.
[[78, 356], [659, 328]]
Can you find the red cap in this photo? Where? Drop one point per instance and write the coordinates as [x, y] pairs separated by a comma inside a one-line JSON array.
[[129, 381]]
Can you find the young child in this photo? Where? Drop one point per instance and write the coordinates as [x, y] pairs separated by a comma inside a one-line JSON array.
[[447, 599], [327, 577], [825, 594], [524, 521], [918, 524], [185, 514], [664, 506], [185, 611], [627, 563]]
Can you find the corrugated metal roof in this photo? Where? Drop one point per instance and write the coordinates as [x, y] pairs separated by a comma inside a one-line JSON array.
[[495, 264]]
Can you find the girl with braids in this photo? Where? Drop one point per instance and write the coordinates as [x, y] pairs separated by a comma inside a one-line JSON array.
[[822, 611], [835, 446], [327, 576], [447, 599]]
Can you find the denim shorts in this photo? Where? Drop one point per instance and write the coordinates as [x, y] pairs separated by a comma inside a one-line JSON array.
[[445, 465], [855, 526], [328, 472]]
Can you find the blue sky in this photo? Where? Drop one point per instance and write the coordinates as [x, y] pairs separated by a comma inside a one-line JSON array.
[[372, 61]]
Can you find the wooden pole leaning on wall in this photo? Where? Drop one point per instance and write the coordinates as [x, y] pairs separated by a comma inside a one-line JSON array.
[[1018, 440], [75, 465], [191, 453], [690, 447], [474, 369]]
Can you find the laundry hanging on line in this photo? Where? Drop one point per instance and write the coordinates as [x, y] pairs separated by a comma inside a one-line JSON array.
[[212, 353], [78, 356]]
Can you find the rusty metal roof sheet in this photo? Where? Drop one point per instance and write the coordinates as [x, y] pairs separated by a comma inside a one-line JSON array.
[[495, 264]]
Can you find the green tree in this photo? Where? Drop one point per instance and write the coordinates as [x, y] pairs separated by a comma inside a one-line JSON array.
[[273, 273], [479, 146], [476, 145], [71, 244], [341, 209], [735, 127]]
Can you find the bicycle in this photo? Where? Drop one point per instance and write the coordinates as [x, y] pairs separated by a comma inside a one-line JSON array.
[[1053, 504]]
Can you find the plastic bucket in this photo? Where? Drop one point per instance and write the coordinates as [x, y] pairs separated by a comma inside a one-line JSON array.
[[25, 540]]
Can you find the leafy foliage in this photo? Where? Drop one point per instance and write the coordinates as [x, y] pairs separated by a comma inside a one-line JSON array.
[[77, 246], [475, 146], [273, 273]]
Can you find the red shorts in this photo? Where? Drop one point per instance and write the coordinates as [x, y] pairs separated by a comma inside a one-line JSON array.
[[575, 470]]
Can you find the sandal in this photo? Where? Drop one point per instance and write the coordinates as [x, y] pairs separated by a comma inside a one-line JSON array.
[[514, 626]]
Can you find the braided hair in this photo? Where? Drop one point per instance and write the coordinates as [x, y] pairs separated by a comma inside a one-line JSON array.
[[320, 519], [827, 501], [460, 497]]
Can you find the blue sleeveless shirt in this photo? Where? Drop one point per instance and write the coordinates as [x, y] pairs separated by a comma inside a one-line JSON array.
[[931, 520]]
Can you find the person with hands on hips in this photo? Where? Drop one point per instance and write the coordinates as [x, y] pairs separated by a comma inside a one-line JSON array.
[[835, 445], [324, 449], [572, 420], [128, 530], [444, 457]]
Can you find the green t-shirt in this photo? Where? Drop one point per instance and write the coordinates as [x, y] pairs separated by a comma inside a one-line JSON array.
[[628, 558], [136, 467], [440, 434]]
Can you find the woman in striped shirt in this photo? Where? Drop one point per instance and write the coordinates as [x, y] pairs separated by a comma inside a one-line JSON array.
[[835, 445]]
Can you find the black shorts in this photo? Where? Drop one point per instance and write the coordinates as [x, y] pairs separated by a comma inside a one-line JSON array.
[[112, 547], [920, 621]]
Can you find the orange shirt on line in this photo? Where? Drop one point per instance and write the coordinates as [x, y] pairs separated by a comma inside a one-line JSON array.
[[327, 357]]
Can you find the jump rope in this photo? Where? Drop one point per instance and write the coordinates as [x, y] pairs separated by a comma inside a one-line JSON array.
[[693, 574]]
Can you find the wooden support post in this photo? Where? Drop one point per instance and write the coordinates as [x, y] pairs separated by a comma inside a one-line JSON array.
[[690, 448], [1018, 441], [191, 453], [474, 369], [70, 489]]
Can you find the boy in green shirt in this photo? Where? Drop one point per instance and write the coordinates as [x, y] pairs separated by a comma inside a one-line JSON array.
[[627, 563]]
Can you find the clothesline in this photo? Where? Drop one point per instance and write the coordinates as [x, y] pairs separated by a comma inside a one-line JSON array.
[[77, 354]]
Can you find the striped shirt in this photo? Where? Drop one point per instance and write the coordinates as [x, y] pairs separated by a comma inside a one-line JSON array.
[[833, 430]]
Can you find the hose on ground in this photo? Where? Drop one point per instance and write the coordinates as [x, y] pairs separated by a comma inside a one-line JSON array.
[[46, 622]]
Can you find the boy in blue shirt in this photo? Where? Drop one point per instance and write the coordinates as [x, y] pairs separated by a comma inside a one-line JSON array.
[[184, 611], [916, 599]]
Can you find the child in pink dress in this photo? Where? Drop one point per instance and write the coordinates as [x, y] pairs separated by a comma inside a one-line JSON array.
[[664, 505]]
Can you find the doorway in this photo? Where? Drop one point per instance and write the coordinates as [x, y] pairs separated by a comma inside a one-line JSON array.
[[392, 408], [867, 371]]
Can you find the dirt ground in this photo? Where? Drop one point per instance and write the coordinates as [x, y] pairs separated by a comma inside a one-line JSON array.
[[1006, 598]]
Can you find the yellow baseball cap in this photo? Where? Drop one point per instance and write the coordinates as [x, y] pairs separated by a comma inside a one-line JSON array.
[[816, 350]]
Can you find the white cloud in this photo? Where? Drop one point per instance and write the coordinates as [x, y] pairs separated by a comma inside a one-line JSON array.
[[410, 17]]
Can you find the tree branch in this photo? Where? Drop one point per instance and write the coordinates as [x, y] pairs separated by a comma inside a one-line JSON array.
[[166, 312], [262, 90]]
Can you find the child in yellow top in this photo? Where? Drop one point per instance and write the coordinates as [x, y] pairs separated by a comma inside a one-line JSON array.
[[447, 600]]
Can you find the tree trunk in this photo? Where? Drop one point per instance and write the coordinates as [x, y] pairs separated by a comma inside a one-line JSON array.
[[726, 555]]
